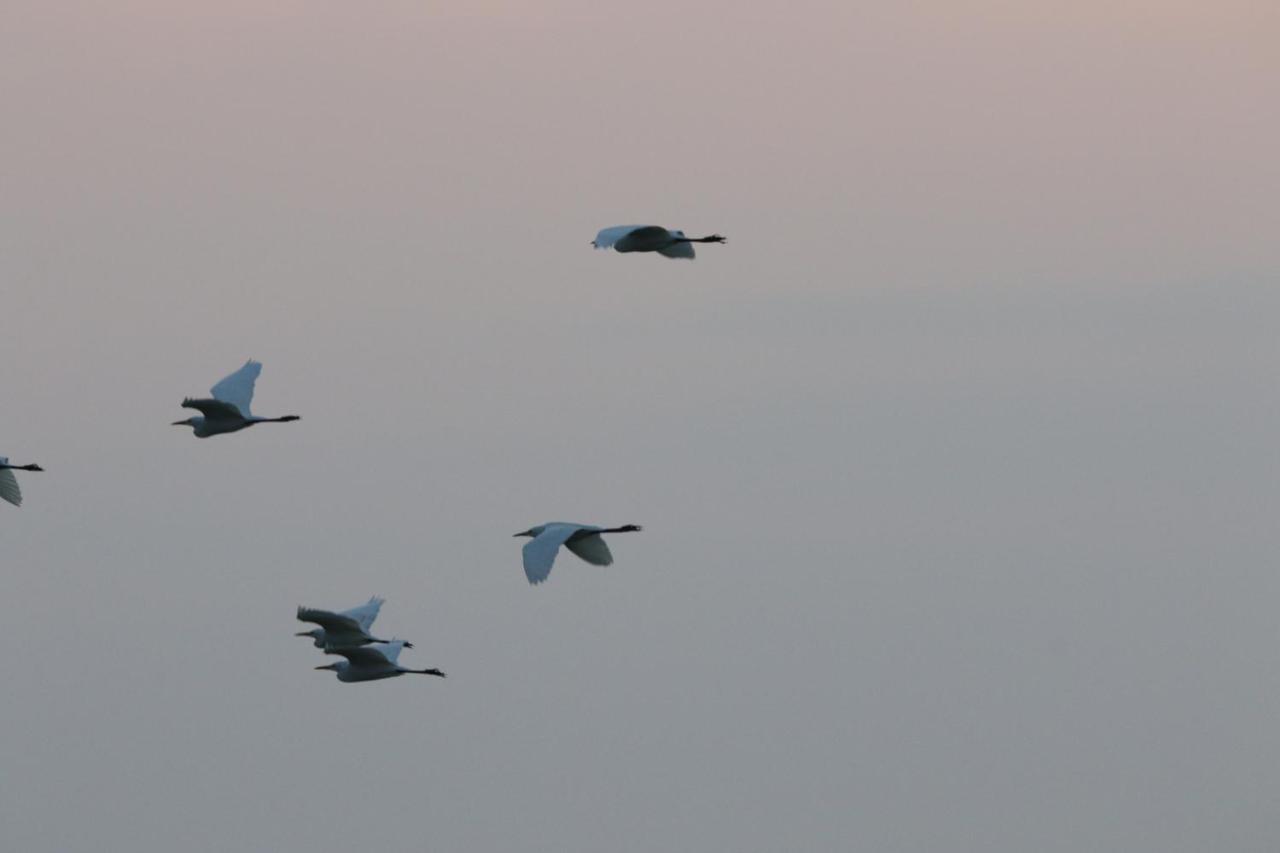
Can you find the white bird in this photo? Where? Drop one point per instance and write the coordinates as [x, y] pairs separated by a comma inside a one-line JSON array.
[[342, 630], [650, 238], [370, 663], [582, 539], [228, 410], [362, 616], [9, 484]]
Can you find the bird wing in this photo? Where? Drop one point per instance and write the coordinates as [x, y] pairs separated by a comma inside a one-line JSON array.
[[678, 250], [370, 656], [591, 548], [540, 551], [237, 389], [365, 613], [214, 410], [376, 655], [390, 651], [608, 236], [9, 486], [330, 621]]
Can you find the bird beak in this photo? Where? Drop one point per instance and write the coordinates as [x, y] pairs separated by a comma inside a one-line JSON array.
[[326, 666], [303, 634], [178, 423]]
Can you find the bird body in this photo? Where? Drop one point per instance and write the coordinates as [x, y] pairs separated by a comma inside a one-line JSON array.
[[342, 630], [651, 238], [372, 663], [228, 409], [584, 540], [345, 633], [9, 490]]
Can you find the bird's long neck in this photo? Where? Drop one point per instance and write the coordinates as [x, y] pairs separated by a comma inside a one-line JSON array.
[[626, 528], [426, 672], [31, 467]]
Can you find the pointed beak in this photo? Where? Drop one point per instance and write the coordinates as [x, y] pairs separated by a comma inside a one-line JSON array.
[[326, 666], [178, 423], [303, 634]]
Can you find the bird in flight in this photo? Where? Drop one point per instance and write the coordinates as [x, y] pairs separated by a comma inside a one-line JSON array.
[[582, 539], [346, 629], [9, 490], [370, 663], [651, 238], [228, 409]]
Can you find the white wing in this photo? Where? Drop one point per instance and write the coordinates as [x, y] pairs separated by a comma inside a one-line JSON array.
[[608, 236], [9, 486], [237, 389], [390, 651], [592, 549], [376, 656], [334, 624], [365, 613], [540, 551]]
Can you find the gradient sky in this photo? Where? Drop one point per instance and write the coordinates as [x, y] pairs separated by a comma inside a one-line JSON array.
[[958, 464]]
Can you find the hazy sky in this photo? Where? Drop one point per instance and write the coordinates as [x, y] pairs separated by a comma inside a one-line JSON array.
[[958, 464]]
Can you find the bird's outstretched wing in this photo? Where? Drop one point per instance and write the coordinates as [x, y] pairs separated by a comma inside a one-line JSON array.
[[379, 654], [214, 410], [608, 236], [678, 250], [237, 389], [365, 613], [540, 551], [391, 650], [330, 621], [9, 486], [591, 548]]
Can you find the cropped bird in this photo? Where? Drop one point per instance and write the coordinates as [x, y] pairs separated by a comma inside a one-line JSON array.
[[351, 626], [650, 238], [228, 410], [370, 663], [582, 539], [9, 484]]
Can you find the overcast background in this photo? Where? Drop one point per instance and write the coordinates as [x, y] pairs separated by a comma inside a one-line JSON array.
[[958, 464]]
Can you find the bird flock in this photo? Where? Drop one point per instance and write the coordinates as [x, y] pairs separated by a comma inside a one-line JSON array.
[[347, 633]]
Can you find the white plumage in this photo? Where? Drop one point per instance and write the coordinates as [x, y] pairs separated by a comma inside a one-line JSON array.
[[228, 408], [651, 238], [371, 663], [583, 540], [349, 627], [342, 629]]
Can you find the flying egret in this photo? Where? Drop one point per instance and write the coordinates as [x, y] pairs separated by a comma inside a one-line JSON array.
[[344, 630], [370, 663], [363, 617], [228, 410], [9, 484], [650, 238], [582, 539]]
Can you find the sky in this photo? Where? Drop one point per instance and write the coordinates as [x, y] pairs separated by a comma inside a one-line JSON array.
[[957, 463]]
